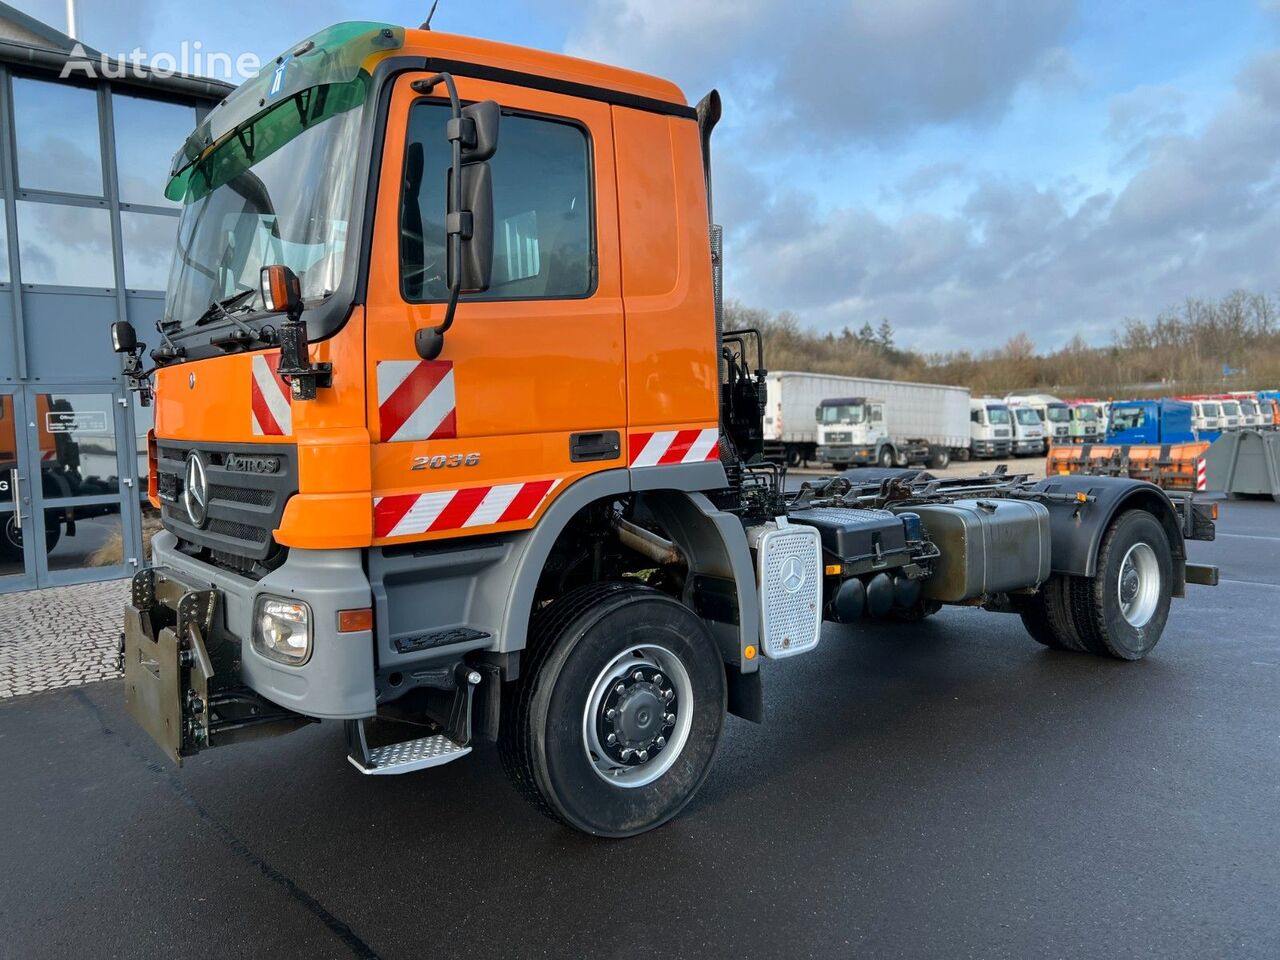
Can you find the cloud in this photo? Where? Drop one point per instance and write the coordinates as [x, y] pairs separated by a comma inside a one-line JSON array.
[[868, 71], [1199, 216]]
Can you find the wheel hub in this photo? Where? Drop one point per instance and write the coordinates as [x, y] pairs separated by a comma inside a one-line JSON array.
[[1129, 584], [636, 716]]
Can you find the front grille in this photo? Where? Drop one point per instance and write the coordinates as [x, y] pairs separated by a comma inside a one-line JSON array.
[[837, 436], [245, 503]]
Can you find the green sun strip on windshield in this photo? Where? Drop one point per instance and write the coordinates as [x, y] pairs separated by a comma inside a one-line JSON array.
[[263, 136]]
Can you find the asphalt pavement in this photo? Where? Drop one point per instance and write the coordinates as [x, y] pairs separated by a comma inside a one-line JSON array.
[[949, 789]]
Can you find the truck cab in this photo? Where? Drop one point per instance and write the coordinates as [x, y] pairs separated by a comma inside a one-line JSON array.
[[1085, 426], [990, 428], [1251, 415], [1029, 431], [853, 430], [1054, 413], [1230, 418], [1150, 421]]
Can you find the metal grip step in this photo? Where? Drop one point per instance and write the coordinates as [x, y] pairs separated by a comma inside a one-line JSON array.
[[410, 755]]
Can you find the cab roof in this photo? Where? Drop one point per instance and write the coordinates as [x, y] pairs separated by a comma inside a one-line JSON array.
[[551, 66]]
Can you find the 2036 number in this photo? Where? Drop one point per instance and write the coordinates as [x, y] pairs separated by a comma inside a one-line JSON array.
[[442, 461]]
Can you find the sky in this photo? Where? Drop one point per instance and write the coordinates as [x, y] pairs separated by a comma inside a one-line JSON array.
[[968, 170]]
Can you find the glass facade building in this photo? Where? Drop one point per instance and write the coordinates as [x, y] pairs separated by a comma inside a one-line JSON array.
[[86, 238]]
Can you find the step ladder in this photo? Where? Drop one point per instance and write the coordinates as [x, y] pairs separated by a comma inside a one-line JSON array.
[[419, 753]]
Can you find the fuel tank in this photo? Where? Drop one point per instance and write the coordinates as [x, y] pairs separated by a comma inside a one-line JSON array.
[[987, 546]]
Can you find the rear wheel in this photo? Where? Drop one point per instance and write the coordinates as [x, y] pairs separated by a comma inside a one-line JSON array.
[[1047, 616], [1121, 612], [886, 456], [793, 456], [617, 715], [940, 458]]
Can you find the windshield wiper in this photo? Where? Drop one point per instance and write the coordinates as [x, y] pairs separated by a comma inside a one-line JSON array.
[[220, 309]]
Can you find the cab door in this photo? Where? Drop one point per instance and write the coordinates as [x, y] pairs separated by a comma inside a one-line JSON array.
[[529, 392]]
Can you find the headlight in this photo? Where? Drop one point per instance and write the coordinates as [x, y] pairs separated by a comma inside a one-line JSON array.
[[282, 630]]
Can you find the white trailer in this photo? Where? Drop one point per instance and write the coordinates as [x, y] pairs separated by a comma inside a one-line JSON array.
[[918, 422]]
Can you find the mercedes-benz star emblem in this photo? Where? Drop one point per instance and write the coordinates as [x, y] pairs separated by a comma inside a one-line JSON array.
[[793, 575], [195, 494]]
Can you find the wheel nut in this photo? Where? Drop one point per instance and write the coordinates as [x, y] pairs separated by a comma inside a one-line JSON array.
[[610, 713], [643, 755], [637, 676], [660, 742], [626, 753], [657, 678], [620, 688], [667, 694], [668, 719], [611, 739]]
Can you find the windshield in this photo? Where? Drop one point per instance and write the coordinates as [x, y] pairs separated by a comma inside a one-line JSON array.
[[1126, 418], [1231, 409], [278, 192], [1248, 409], [1027, 417], [1085, 413], [1059, 414], [846, 413], [999, 415], [1210, 409]]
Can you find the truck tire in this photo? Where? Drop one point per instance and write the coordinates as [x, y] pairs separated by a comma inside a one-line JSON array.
[[612, 669], [1047, 616], [1121, 612], [885, 457], [964, 454], [792, 456], [939, 458]]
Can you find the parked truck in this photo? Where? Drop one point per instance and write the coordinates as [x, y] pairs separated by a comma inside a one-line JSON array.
[[451, 445], [1054, 413], [886, 422], [990, 428], [1150, 422], [1030, 433], [790, 431]]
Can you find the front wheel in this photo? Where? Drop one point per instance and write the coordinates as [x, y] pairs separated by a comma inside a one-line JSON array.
[[886, 456], [617, 716]]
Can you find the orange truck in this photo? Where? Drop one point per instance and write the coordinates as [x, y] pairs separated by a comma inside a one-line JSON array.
[[451, 445]]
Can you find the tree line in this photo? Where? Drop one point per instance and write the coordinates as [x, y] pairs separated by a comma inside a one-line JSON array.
[[1198, 346]]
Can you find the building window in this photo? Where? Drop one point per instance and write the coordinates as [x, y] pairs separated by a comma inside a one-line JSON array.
[[59, 143], [4, 245], [62, 245], [148, 134], [148, 240], [542, 209]]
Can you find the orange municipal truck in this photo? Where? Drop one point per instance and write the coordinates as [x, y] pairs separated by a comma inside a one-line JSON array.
[[451, 445]]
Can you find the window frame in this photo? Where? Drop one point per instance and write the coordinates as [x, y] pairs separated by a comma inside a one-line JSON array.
[[593, 251]]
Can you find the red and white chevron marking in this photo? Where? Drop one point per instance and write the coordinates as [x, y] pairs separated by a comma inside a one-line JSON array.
[[1202, 475], [674, 446], [270, 401], [416, 400], [408, 514]]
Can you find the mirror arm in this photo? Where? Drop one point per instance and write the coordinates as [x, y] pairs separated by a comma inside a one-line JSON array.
[[430, 340]]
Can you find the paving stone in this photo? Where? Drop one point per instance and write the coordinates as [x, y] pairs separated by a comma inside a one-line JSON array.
[[62, 636]]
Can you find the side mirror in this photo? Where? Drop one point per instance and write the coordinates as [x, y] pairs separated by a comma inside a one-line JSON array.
[[124, 339], [281, 291], [479, 128], [476, 253]]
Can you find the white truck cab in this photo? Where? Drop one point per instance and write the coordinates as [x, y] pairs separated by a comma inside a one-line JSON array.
[[1206, 416], [990, 427], [1029, 431], [1230, 414], [1251, 414], [1086, 425], [1054, 413], [853, 430]]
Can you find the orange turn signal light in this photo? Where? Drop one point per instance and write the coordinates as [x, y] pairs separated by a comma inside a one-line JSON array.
[[749, 652], [355, 621], [835, 569], [1213, 511]]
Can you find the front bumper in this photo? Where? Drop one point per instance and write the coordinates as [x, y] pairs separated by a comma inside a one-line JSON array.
[[1029, 446], [845, 453], [991, 448], [337, 682]]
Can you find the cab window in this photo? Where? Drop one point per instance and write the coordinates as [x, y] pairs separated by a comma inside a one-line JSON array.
[[543, 217]]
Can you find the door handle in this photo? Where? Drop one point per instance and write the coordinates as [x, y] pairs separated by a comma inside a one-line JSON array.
[[606, 445], [16, 480]]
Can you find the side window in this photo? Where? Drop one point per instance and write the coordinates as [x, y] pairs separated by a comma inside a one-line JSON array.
[[975, 416], [877, 414], [543, 216]]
